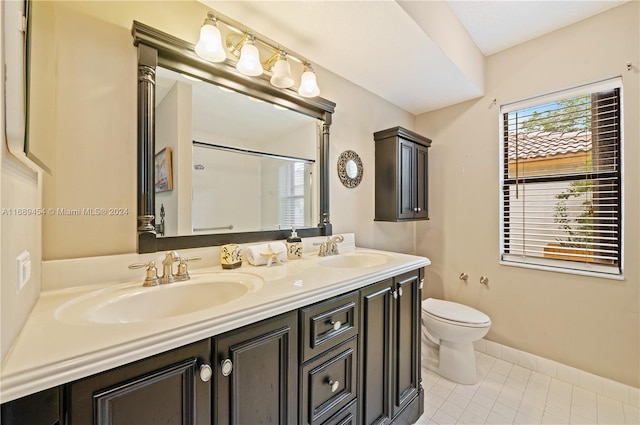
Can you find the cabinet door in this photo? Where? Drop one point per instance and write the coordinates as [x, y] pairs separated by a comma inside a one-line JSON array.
[[406, 171], [376, 306], [406, 341], [42, 408], [422, 182], [328, 383], [260, 364], [164, 389]]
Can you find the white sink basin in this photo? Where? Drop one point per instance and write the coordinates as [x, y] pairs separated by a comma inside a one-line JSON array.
[[354, 260], [134, 303]]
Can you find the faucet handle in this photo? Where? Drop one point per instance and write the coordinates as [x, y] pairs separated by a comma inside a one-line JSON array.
[[323, 248], [152, 273], [183, 272]]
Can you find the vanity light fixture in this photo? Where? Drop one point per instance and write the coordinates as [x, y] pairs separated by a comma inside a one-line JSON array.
[[209, 45], [308, 84], [248, 55], [281, 77], [249, 63]]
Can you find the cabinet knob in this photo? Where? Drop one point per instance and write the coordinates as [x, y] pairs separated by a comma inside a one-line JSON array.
[[226, 367], [205, 372], [336, 325], [399, 292], [334, 385]]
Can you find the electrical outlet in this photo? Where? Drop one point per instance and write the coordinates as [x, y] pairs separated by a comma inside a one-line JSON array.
[[23, 266]]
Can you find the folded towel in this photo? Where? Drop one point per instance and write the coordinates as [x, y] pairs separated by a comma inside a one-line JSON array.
[[259, 255]]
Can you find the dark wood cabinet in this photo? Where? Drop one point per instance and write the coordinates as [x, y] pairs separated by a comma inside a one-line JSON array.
[[164, 389], [41, 408], [329, 356], [402, 189], [328, 383], [406, 340], [347, 416], [390, 388], [256, 377], [327, 323], [376, 318], [352, 359]]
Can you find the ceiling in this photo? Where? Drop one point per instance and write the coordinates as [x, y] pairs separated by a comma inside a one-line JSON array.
[[418, 55]]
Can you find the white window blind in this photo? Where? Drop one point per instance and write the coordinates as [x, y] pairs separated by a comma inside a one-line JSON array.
[[561, 180], [292, 194]]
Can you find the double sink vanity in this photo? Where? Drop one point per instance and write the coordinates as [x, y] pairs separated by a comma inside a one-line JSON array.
[[320, 340]]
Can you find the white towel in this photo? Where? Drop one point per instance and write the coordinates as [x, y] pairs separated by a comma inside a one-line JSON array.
[[258, 255]]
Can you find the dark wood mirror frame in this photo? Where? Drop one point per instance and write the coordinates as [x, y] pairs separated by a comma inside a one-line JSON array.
[[158, 48]]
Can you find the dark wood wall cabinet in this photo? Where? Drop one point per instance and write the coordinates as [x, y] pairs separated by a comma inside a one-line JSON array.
[[401, 175], [352, 359]]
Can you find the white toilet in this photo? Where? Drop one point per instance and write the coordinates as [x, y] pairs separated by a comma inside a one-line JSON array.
[[448, 332]]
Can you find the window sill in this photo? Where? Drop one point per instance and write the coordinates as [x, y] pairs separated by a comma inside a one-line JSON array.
[[563, 270]]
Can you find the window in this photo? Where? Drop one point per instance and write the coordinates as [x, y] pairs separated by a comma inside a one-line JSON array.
[[294, 178], [561, 180]]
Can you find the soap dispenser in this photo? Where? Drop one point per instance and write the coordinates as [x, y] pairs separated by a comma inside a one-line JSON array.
[[294, 246]]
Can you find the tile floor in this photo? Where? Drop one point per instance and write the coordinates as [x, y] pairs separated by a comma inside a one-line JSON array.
[[507, 393]]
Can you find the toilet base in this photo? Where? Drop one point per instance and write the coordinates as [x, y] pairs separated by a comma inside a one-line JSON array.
[[456, 362]]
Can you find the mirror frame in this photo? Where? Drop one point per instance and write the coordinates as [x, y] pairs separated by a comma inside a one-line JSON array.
[[343, 161], [156, 48]]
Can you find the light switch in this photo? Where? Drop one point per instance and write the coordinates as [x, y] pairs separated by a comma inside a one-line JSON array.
[[23, 266]]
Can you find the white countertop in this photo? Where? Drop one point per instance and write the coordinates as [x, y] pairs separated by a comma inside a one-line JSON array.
[[50, 352]]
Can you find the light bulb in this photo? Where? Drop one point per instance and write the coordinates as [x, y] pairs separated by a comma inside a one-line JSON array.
[[308, 84], [281, 77], [249, 63], [209, 45]]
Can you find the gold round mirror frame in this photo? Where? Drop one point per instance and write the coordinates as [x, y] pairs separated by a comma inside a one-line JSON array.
[[346, 163]]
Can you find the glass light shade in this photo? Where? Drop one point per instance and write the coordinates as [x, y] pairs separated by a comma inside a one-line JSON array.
[[209, 45], [281, 77], [308, 85], [249, 63]]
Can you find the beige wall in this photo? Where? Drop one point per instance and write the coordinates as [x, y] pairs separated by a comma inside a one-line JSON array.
[[589, 323]]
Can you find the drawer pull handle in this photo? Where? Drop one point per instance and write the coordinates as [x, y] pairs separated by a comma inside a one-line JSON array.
[[334, 385], [226, 367], [336, 325], [205, 372]]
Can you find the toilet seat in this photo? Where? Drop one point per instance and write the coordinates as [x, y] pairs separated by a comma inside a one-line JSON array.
[[454, 313]]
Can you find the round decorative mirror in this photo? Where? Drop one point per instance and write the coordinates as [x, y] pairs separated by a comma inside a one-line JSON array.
[[350, 169]]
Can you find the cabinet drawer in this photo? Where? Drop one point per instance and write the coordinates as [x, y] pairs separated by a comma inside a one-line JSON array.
[[346, 416], [328, 323], [328, 383]]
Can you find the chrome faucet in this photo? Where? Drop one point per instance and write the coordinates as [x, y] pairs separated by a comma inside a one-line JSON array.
[[171, 257], [330, 246]]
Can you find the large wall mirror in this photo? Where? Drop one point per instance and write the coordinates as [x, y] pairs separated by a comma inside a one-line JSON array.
[[246, 161]]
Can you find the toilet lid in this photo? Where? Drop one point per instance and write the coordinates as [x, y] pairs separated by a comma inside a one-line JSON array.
[[453, 311]]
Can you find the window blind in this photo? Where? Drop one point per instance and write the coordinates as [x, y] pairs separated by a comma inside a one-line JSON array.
[[292, 194], [561, 180]]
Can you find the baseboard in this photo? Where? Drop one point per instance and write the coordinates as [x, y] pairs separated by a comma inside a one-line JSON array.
[[579, 378]]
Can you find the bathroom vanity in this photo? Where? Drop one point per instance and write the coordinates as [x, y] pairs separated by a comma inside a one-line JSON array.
[[331, 340]]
